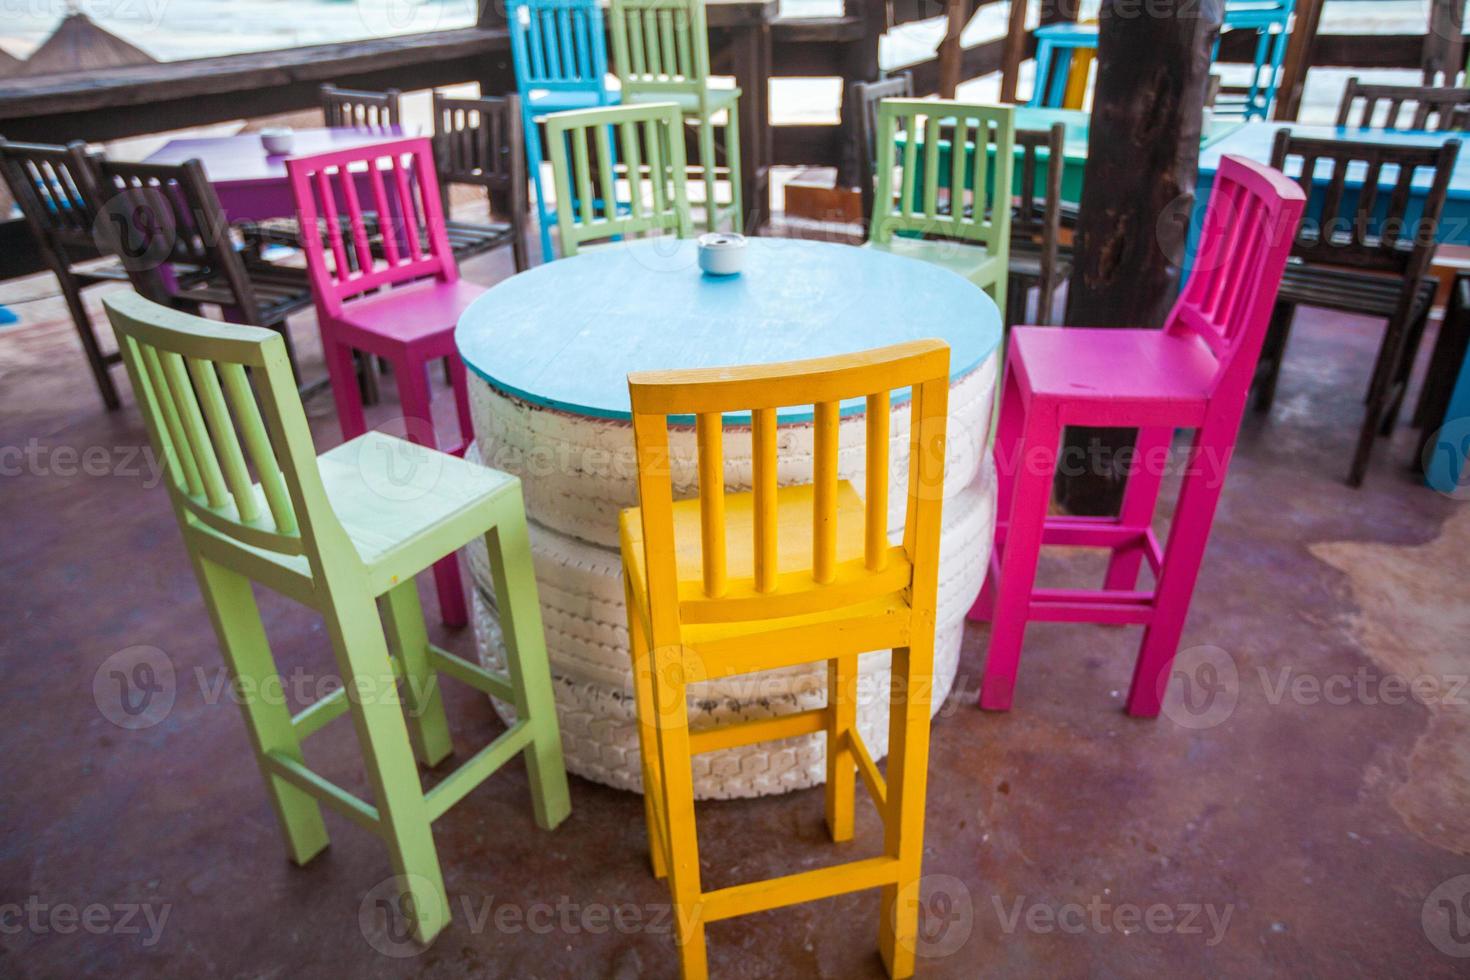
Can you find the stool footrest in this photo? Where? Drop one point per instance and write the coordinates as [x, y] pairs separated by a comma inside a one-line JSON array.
[[760, 730], [1081, 606], [472, 674], [868, 769], [319, 713], [298, 775], [457, 785], [807, 886]]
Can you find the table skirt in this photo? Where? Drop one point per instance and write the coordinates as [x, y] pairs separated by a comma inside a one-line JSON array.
[[578, 473]]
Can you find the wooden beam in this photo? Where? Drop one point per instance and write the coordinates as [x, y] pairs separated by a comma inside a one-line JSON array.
[[1014, 51], [1142, 163], [1298, 58]]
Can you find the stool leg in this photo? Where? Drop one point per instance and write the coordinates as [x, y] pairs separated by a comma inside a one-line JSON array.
[[1035, 465], [458, 382], [533, 164], [1142, 493], [413, 394], [1186, 548], [362, 656], [1043, 69], [707, 163], [242, 639], [342, 371], [514, 577], [672, 720], [732, 163], [842, 677], [1006, 453], [408, 641], [908, 757], [647, 733]]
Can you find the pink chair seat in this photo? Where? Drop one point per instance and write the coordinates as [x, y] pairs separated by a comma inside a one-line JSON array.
[[421, 314], [1144, 377]]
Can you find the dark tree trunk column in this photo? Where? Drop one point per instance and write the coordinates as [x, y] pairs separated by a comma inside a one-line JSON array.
[[1142, 160]]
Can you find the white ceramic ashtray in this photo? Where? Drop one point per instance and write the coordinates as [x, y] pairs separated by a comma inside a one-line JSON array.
[[722, 253], [277, 140]]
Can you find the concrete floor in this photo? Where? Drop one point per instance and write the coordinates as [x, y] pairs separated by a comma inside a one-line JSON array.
[[1269, 831]]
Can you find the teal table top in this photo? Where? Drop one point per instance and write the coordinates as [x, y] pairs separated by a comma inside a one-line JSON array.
[[566, 334]]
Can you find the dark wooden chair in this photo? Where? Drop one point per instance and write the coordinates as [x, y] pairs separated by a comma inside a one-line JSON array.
[[1450, 350], [1357, 252], [864, 99], [43, 181], [345, 108], [1404, 107], [1038, 257], [478, 142], [157, 217]]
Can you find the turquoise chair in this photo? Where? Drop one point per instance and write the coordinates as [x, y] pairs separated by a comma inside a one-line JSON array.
[[559, 51]]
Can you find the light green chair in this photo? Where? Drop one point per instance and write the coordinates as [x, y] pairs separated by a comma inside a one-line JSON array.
[[344, 534], [943, 207], [586, 148], [661, 54]]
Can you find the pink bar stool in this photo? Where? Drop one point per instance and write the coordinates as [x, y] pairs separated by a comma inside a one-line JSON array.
[[1192, 374], [395, 294]]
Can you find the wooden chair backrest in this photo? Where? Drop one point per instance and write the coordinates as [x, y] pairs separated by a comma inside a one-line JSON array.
[[709, 394], [977, 205], [557, 45], [153, 215], [478, 141], [1038, 212], [864, 100], [396, 180], [588, 145], [224, 416], [1422, 107], [47, 183], [1376, 234], [345, 108], [659, 45], [1249, 226]]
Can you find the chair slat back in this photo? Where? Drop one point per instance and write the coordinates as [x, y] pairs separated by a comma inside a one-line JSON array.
[[46, 181], [558, 45], [1249, 225], [345, 108], [1360, 225], [153, 215], [589, 147], [970, 199], [223, 414], [708, 395], [1037, 217], [660, 45], [863, 103], [1428, 108], [396, 181], [479, 142]]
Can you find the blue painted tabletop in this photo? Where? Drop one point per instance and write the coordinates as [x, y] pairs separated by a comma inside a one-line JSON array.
[[566, 334]]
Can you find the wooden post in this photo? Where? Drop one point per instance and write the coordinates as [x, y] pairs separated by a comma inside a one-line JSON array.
[[1142, 162], [1298, 59], [1444, 48], [950, 54], [860, 64], [1014, 52]]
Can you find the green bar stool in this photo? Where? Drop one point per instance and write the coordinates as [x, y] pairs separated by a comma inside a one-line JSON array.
[[345, 534]]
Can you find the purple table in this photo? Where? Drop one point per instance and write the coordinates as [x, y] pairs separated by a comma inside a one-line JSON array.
[[251, 183]]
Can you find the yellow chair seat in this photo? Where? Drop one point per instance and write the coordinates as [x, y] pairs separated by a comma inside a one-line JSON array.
[[794, 510], [974, 262]]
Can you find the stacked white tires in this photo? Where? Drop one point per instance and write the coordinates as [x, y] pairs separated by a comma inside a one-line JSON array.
[[579, 472]]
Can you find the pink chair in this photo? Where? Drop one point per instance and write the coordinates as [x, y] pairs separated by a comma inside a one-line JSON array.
[[395, 294], [1192, 374]]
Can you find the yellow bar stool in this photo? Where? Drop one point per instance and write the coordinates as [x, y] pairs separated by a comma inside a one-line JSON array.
[[732, 583]]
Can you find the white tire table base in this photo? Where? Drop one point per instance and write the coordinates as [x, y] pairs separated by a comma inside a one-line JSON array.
[[579, 472]]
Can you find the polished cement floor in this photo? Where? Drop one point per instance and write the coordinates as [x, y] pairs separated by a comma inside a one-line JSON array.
[[1300, 808]]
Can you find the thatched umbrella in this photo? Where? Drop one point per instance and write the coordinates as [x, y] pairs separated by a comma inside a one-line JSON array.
[[79, 45]]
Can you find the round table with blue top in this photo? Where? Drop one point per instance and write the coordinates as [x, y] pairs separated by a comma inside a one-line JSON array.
[[549, 352]]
